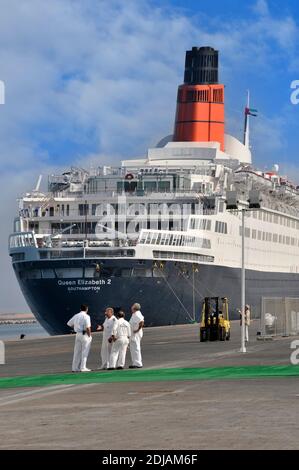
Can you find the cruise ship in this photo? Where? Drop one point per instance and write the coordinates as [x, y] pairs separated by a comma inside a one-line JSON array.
[[156, 229]]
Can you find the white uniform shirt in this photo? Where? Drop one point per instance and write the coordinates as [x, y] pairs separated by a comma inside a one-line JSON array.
[[108, 326], [80, 322], [121, 329], [135, 319]]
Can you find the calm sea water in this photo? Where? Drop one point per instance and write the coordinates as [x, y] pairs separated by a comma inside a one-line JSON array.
[[13, 332]]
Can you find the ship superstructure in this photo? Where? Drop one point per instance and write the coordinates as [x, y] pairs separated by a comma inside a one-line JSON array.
[[156, 229]]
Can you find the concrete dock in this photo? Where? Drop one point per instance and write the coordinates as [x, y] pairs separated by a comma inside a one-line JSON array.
[[116, 411]]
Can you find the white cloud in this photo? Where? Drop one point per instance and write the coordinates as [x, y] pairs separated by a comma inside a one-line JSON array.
[[108, 71], [261, 7]]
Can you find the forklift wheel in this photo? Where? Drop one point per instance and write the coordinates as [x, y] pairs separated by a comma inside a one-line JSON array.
[[222, 334]]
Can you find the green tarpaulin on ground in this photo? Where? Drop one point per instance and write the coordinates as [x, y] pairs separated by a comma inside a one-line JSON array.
[[152, 375]]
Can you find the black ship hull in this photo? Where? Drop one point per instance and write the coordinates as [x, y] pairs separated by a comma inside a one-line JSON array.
[[169, 292]]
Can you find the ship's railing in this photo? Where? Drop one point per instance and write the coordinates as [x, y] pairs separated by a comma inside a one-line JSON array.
[[155, 194], [85, 253], [48, 242]]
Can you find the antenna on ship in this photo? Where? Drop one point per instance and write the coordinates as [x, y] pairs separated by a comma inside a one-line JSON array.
[[248, 112], [36, 189]]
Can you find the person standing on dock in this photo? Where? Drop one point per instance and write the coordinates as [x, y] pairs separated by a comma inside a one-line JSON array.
[[82, 326], [247, 321], [136, 323], [107, 328], [121, 334]]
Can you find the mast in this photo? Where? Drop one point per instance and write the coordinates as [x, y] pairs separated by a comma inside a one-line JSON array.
[[246, 122]]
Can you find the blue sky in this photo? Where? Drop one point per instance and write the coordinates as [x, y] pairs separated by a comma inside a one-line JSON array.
[[95, 81]]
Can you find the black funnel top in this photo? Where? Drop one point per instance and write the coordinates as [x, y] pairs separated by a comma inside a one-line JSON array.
[[201, 66]]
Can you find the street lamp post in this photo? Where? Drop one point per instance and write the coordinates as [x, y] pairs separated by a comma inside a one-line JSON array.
[[233, 204]]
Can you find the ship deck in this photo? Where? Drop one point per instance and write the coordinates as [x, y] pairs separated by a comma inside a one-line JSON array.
[[189, 395]]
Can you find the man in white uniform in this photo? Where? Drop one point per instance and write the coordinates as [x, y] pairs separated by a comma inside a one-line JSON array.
[[107, 328], [136, 323], [82, 326], [121, 334], [247, 321]]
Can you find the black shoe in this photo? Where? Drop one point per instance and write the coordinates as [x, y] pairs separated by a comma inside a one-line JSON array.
[[110, 368], [135, 367], [119, 368]]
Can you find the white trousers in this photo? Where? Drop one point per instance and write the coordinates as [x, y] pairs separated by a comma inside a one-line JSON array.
[[135, 349], [246, 333], [105, 352], [118, 352], [81, 351]]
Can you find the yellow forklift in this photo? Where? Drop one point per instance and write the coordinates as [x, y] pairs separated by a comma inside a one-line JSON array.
[[215, 324]]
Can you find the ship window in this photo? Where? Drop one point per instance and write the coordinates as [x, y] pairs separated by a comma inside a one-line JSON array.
[[33, 274], [48, 274], [126, 272], [204, 224], [164, 186], [142, 272], [163, 239], [221, 227], [83, 209], [150, 186], [94, 209], [130, 186], [69, 273], [18, 256], [92, 272], [186, 256], [146, 238]]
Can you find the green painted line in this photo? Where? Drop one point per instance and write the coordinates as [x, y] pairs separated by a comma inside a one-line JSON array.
[[152, 375]]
